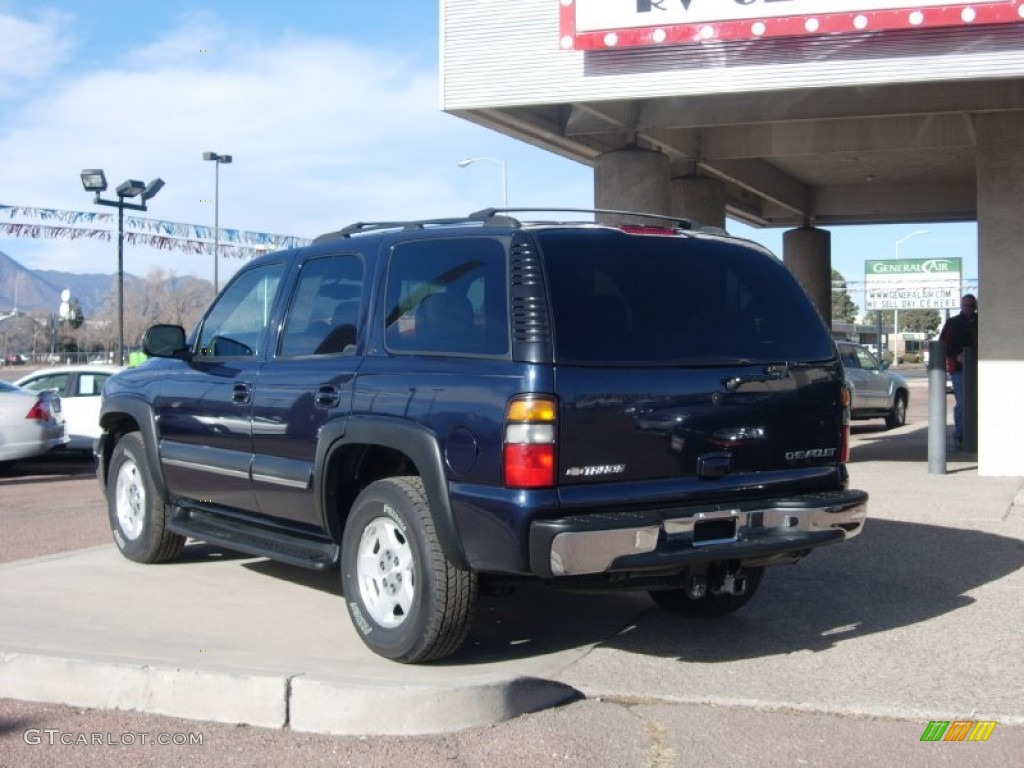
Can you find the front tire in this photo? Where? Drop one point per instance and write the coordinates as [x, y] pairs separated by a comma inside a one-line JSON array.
[[709, 605], [406, 600], [137, 511]]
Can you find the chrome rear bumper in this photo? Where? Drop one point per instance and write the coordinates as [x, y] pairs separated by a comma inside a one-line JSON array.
[[587, 544]]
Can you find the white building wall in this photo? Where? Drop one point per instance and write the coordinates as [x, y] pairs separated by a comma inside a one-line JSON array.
[[1001, 277], [497, 53]]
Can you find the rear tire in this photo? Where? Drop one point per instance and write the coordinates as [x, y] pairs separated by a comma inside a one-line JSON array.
[[137, 511], [898, 415], [406, 600], [711, 605]]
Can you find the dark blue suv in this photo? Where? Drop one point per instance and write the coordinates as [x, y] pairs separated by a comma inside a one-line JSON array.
[[440, 407]]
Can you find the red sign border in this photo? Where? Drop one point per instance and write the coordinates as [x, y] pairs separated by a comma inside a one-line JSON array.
[[952, 15]]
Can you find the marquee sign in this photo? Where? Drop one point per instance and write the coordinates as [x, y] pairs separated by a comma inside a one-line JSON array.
[[913, 283], [604, 24]]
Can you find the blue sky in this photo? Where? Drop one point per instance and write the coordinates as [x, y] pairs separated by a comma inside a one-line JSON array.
[[330, 109]]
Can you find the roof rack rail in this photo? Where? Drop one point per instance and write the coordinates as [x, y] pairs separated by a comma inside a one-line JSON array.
[[676, 221], [370, 226], [497, 217]]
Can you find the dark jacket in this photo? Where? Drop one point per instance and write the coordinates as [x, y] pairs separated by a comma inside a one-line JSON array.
[[960, 331]]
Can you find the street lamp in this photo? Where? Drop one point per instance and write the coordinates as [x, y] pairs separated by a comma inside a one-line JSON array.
[[94, 180], [504, 174], [218, 159]]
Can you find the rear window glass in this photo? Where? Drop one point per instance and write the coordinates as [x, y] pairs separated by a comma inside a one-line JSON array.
[[619, 298], [447, 297]]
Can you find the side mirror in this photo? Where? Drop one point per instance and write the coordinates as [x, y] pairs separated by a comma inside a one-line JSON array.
[[165, 341], [885, 365]]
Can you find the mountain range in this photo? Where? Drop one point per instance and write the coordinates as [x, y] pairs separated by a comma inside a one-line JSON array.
[[30, 290]]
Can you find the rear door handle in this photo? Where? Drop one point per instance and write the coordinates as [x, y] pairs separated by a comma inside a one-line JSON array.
[[241, 392], [327, 396]]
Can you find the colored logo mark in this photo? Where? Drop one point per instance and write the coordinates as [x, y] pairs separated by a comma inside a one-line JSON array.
[[958, 730]]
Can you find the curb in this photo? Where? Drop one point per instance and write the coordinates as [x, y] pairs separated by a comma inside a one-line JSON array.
[[274, 701]]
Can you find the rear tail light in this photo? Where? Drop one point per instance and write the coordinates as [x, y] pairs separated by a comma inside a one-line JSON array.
[[529, 449], [844, 435], [40, 411]]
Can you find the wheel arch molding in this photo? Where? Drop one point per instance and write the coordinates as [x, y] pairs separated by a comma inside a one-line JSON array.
[[115, 410], [418, 444]]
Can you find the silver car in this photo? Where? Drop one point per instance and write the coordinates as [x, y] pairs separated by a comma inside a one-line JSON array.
[[875, 391], [79, 387], [31, 423]]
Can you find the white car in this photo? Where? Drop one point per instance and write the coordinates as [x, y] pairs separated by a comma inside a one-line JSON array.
[[79, 387], [31, 423]]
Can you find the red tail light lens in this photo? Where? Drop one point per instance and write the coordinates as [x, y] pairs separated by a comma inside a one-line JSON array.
[[40, 411], [639, 229], [529, 466], [529, 450]]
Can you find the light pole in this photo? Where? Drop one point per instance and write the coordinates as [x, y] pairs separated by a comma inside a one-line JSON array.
[[218, 159], [896, 312], [504, 174], [94, 180]]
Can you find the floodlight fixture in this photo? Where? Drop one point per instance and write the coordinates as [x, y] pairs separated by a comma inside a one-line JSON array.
[[216, 158], [94, 180], [130, 188], [152, 188]]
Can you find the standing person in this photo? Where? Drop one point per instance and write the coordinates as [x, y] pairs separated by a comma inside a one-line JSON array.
[[960, 331]]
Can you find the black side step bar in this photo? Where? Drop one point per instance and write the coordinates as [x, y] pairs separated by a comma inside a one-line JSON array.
[[255, 537]]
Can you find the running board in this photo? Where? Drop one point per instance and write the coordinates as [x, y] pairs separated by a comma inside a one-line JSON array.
[[254, 536]]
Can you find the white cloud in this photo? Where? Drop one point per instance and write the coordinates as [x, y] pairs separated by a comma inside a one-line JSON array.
[[29, 49], [323, 132]]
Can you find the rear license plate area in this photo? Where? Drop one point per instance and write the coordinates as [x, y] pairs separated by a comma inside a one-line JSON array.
[[714, 531]]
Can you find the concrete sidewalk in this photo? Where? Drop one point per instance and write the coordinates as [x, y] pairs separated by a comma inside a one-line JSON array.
[[920, 617]]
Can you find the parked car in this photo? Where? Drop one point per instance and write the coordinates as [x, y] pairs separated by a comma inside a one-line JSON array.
[[875, 391], [437, 408], [79, 387], [31, 423]]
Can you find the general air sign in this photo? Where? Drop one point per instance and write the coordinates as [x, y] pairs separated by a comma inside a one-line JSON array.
[[913, 283], [603, 24]]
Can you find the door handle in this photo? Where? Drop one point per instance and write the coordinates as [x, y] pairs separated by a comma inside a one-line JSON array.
[[327, 396], [241, 392]]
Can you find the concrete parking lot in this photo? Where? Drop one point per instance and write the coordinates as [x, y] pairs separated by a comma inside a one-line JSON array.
[[851, 653]]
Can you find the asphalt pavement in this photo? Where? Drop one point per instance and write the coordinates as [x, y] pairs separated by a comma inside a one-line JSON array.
[[919, 618]]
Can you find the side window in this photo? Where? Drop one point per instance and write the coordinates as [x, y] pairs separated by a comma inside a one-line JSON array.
[[236, 325], [866, 359], [53, 381], [849, 356], [91, 384], [323, 317], [447, 297]]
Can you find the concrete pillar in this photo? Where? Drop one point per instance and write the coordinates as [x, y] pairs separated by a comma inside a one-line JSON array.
[[1000, 183], [700, 200], [807, 252], [632, 180]]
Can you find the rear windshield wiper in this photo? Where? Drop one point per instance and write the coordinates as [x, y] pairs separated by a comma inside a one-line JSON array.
[[772, 372]]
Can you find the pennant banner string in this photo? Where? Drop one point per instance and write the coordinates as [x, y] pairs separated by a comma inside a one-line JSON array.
[[233, 242], [160, 242]]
